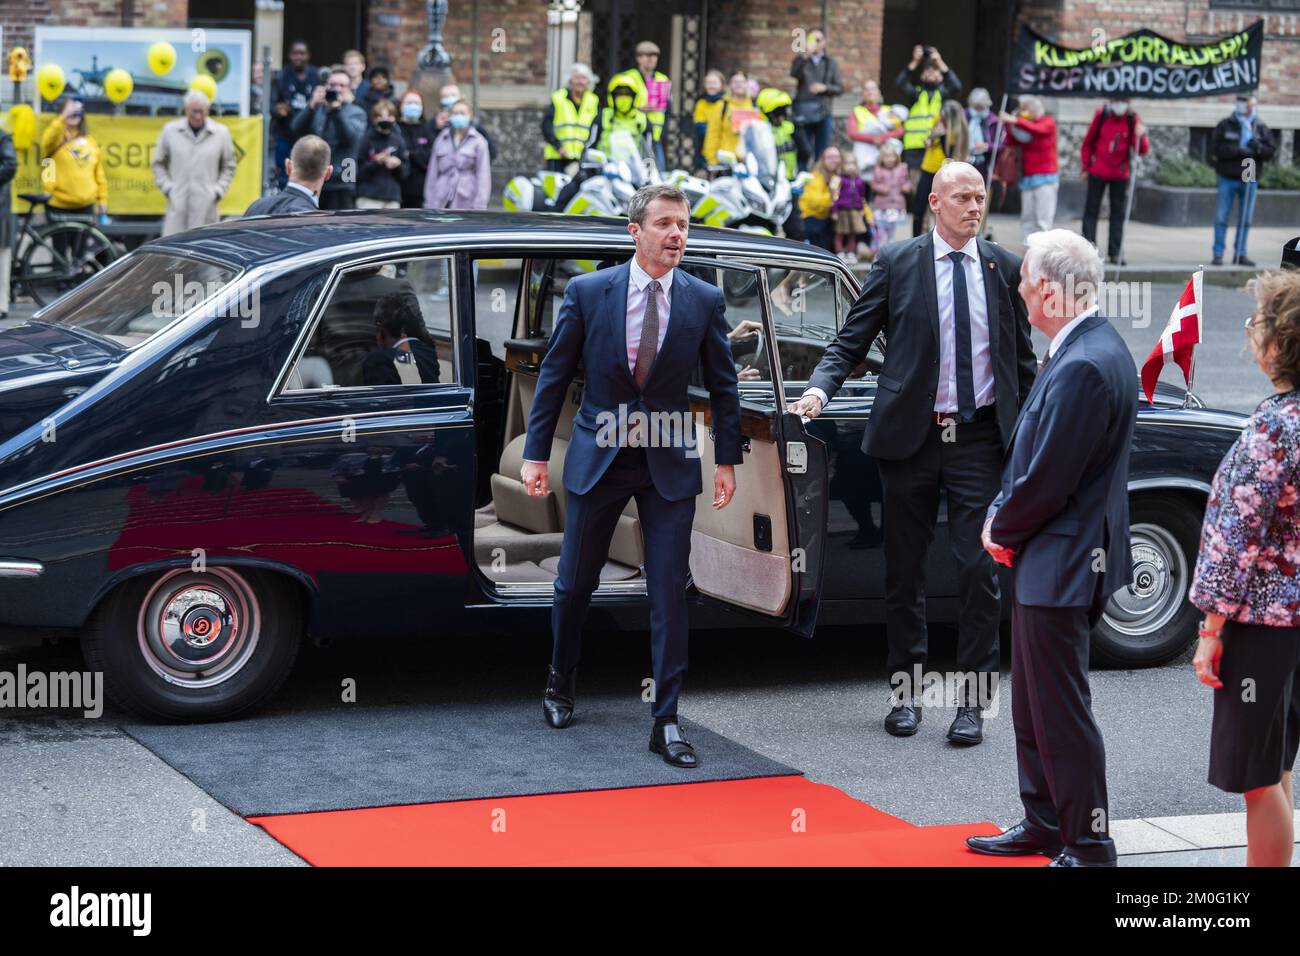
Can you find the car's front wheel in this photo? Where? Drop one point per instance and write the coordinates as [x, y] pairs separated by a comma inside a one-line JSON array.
[[188, 645], [1151, 622]]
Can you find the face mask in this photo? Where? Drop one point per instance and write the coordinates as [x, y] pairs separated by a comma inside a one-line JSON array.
[[1119, 109], [384, 126], [623, 103], [980, 113], [459, 121], [448, 102], [411, 110]]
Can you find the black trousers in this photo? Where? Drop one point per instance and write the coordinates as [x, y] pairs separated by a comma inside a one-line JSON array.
[[666, 528], [1118, 189], [1059, 750], [968, 469]]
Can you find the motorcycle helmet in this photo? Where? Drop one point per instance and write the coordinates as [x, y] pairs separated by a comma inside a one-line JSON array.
[[772, 99], [617, 85]]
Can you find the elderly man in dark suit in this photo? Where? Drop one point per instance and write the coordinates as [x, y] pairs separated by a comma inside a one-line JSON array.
[[639, 331], [308, 166], [1061, 522], [958, 363]]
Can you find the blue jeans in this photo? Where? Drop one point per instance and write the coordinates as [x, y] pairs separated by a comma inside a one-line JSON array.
[[1229, 189], [660, 161]]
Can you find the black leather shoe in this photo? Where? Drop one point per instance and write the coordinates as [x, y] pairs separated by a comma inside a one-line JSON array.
[[1244, 261], [967, 727], [1066, 858], [903, 720], [1217, 261], [1016, 841], [557, 702], [666, 740]]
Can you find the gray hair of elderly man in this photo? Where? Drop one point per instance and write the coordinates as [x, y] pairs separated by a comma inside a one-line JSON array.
[[197, 96], [583, 70], [1068, 261], [979, 99]]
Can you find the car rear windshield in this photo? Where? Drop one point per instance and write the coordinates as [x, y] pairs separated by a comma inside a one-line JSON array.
[[138, 297]]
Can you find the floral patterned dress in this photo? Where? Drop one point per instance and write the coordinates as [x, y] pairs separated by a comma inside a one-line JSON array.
[[1250, 542]]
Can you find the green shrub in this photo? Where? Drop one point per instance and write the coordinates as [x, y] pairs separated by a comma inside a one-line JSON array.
[[1185, 172], [1279, 176]]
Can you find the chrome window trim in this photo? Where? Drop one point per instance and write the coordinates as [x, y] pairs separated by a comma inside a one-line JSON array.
[[11, 568], [182, 445], [1165, 484], [277, 391]]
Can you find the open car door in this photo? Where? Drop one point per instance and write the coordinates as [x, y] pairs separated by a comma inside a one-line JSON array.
[[764, 552]]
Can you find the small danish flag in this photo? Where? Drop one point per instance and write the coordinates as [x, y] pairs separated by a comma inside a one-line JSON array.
[[1179, 340]]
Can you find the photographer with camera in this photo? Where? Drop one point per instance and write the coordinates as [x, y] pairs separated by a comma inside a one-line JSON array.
[[935, 82], [331, 115]]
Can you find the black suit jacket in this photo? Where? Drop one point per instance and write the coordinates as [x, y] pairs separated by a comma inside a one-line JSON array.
[[285, 201], [1065, 479], [900, 297]]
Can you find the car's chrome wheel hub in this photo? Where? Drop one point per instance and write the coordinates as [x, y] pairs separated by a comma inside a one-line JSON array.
[[198, 630], [1159, 584]]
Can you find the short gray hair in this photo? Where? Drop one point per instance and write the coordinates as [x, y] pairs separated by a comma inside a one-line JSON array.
[[1066, 260], [644, 196], [197, 96], [583, 70], [979, 99]]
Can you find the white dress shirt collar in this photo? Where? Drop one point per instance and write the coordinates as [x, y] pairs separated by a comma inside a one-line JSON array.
[[942, 250], [641, 278], [304, 190], [1059, 338]]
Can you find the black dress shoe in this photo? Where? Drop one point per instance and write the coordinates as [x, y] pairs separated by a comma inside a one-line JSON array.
[[557, 702], [967, 727], [1244, 261], [1016, 841], [666, 740], [1066, 858], [1217, 261], [903, 720]]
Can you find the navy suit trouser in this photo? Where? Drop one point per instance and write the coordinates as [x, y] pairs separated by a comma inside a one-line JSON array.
[[666, 528], [1059, 750]]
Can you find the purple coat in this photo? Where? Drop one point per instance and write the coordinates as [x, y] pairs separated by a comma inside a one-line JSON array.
[[458, 176]]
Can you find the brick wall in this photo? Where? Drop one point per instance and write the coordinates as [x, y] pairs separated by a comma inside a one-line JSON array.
[[511, 39], [21, 17], [1073, 21]]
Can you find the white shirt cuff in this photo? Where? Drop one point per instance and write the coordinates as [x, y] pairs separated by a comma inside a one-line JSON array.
[[814, 390]]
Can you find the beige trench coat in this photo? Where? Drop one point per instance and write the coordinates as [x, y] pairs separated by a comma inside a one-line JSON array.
[[193, 172]]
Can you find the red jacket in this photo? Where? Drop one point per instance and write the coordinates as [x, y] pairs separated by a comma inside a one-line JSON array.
[[1039, 154], [1106, 144]]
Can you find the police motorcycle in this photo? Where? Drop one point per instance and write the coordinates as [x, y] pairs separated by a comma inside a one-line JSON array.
[[603, 184], [751, 193]]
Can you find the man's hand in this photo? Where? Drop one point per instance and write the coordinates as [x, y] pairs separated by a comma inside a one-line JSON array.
[[724, 486], [998, 553], [535, 478], [282, 109], [317, 97], [1139, 129], [917, 52], [817, 88], [810, 406]]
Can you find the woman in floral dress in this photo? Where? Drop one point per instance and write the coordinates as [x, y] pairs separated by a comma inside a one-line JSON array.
[[1247, 584]]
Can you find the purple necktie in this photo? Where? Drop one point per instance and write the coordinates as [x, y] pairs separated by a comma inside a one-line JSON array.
[[645, 351]]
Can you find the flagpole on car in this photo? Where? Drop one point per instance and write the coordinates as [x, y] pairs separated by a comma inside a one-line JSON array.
[[1128, 201]]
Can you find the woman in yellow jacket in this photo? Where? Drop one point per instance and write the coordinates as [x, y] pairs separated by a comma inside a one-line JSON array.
[[818, 195], [719, 116], [72, 170]]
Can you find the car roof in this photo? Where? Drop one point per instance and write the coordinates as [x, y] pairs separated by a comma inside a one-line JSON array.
[[260, 240]]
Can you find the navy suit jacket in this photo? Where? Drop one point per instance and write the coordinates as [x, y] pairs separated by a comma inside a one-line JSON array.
[[591, 329], [1065, 477], [285, 201]]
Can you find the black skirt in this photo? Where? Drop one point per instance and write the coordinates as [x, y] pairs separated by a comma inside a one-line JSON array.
[[1256, 728]]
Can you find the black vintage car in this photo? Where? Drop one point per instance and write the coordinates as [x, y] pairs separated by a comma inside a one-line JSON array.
[[313, 425]]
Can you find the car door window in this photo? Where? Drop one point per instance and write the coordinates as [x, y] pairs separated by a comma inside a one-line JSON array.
[[383, 324]]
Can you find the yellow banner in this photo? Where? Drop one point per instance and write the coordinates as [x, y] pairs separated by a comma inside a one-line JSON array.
[[127, 143]]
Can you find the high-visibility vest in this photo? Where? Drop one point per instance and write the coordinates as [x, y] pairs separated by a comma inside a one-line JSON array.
[[786, 150], [612, 121], [572, 124], [634, 77], [921, 119]]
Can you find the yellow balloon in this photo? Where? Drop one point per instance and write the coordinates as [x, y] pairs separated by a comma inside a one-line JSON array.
[[118, 84], [22, 124], [205, 85], [50, 81], [161, 57]]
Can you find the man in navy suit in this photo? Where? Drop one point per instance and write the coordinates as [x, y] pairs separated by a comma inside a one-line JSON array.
[[639, 331], [1061, 522], [308, 166]]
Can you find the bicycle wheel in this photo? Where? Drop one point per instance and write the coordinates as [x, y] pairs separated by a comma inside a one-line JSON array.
[[60, 257]]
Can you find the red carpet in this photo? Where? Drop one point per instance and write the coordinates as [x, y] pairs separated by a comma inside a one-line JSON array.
[[721, 823]]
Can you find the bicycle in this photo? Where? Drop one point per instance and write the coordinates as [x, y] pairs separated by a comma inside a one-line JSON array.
[[57, 256]]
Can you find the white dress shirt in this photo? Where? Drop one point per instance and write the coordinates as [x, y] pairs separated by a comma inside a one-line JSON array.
[[636, 300], [305, 191], [1059, 338], [945, 398]]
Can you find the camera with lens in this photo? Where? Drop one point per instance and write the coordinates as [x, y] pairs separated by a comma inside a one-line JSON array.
[[331, 96]]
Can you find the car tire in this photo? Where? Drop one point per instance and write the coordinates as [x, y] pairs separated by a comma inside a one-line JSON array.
[[1152, 622], [187, 645]]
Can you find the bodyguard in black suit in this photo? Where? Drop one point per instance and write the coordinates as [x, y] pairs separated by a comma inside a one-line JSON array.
[[308, 166], [1061, 522], [639, 331], [958, 364]]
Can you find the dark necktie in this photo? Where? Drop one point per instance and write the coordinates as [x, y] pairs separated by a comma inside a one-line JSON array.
[[961, 313], [1042, 366], [645, 351]]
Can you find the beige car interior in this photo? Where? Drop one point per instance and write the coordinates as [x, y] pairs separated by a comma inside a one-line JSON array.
[[517, 538]]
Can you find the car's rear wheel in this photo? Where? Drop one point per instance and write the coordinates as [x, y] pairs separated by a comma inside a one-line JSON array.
[[1151, 622], [188, 645]]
